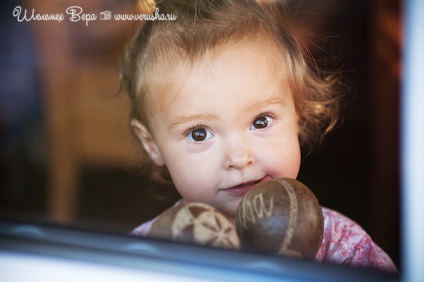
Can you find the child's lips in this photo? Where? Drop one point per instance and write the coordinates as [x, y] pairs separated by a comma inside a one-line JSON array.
[[241, 189]]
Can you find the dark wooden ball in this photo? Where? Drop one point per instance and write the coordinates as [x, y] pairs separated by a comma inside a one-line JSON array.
[[280, 216], [196, 223]]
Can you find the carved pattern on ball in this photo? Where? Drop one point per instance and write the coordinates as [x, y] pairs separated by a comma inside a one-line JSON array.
[[294, 211], [205, 226], [280, 216], [255, 209]]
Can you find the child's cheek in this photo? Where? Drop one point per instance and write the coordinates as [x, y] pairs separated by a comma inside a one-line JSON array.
[[281, 159]]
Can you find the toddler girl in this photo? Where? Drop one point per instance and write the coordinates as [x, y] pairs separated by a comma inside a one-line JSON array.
[[224, 98]]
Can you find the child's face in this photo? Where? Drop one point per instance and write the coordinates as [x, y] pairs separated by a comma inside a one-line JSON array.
[[224, 126]]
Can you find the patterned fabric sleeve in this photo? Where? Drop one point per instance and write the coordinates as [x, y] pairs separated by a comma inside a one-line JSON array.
[[346, 243]]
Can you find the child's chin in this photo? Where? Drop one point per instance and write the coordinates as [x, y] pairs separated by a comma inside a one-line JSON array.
[[231, 210]]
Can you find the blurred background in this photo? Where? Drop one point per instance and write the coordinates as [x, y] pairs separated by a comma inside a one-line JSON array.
[[67, 155]]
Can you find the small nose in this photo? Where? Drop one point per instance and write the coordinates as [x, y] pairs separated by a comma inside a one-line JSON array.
[[239, 154]]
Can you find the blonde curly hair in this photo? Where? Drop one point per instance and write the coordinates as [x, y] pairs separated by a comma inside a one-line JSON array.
[[208, 26]]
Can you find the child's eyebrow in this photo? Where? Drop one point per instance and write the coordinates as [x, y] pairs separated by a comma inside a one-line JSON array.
[[265, 103], [207, 116], [191, 118]]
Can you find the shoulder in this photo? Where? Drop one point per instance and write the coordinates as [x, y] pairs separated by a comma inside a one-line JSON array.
[[144, 229], [345, 242]]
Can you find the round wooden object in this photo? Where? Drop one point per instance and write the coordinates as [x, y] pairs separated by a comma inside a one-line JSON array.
[[280, 216], [196, 223]]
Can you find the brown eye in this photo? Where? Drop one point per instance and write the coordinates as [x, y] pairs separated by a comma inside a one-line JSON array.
[[261, 122], [199, 134]]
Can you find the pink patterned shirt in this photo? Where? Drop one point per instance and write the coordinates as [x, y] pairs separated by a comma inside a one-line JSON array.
[[344, 242]]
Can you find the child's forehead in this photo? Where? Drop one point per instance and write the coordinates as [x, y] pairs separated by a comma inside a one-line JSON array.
[[179, 66], [244, 63]]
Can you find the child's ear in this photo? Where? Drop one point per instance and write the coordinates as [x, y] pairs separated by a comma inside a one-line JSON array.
[[148, 142]]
